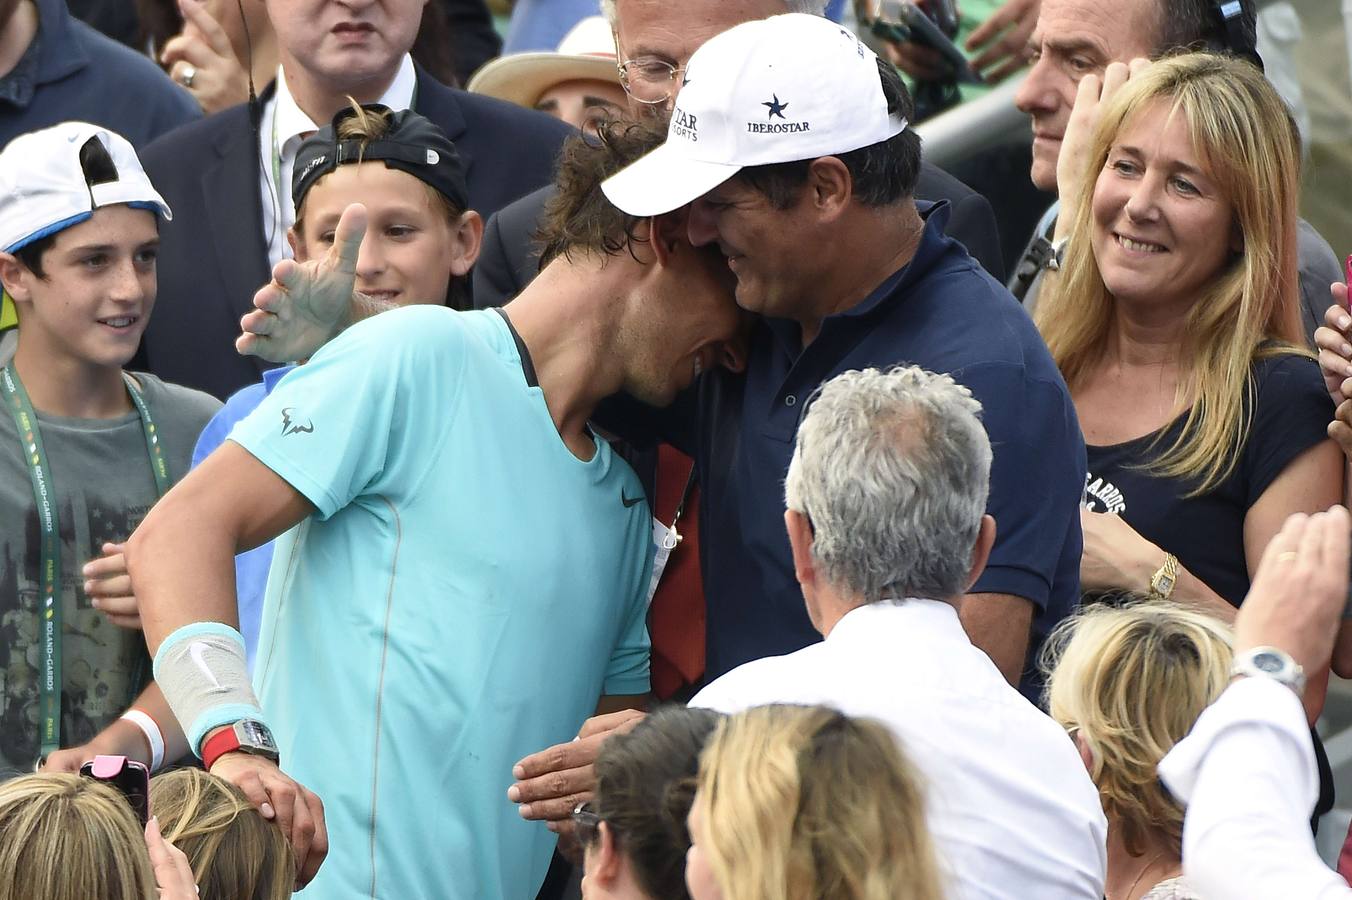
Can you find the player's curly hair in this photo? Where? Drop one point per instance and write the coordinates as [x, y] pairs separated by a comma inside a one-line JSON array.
[[579, 218]]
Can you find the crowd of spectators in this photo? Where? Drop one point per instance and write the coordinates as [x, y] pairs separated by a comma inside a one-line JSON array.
[[636, 475]]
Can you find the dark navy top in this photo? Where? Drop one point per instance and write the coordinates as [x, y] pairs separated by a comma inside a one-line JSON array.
[[942, 312], [1287, 413], [71, 72]]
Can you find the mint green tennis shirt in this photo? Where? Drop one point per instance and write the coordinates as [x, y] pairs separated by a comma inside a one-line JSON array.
[[464, 593]]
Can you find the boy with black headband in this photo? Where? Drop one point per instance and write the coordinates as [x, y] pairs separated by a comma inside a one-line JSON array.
[[419, 246], [85, 448]]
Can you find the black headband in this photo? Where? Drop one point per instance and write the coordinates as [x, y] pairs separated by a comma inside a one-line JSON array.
[[413, 144]]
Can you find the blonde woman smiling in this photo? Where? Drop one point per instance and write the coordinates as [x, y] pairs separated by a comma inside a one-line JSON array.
[[1175, 322]]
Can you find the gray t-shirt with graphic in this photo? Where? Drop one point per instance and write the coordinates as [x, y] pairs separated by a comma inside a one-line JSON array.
[[104, 486]]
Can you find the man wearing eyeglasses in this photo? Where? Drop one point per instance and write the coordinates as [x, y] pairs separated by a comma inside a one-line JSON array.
[[654, 40]]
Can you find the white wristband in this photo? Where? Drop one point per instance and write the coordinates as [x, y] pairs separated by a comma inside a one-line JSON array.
[[151, 729]]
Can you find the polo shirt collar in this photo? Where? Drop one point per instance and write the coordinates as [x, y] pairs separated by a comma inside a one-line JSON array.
[[60, 52], [21, 84], [292, 122], [917, 617], [934, 244]]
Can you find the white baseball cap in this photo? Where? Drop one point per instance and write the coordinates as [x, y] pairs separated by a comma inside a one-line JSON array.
[[586, 53], [770, 91], [43, 189]]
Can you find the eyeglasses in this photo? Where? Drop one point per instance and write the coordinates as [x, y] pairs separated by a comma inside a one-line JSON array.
[[648, 79], [587, 823]]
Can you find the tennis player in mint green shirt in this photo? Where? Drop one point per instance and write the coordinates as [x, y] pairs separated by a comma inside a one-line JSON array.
[[470, 574]]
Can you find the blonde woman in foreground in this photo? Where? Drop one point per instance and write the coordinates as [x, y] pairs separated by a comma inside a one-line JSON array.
[[1128, 683], [235, 853], [798, 802], [68, 837]]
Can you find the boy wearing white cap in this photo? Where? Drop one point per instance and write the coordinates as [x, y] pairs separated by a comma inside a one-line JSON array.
[[85, 448]]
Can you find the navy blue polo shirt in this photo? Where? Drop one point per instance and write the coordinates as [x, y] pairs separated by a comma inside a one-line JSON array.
[[941, 312], [71, 72]]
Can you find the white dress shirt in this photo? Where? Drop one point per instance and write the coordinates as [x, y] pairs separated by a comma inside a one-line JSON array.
[[1013, 813], [281, 130], [1247, 774]]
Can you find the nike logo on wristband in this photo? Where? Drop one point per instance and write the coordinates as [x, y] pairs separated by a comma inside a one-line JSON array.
[[197, 653]]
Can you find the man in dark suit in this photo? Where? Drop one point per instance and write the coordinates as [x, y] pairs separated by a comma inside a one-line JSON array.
[[657, 39], [228, 177]]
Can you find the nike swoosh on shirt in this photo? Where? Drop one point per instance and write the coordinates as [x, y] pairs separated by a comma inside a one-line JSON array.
[[629, 502], [197, 653]]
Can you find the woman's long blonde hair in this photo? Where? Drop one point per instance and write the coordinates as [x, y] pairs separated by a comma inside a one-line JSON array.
[[800, 803], [235, 853], [1244, 135], [1131, 681], [64, 837]]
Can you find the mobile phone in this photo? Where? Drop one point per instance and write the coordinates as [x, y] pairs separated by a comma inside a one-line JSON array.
[[945, 15], [128, 776], [916, 26], [1347, 278]]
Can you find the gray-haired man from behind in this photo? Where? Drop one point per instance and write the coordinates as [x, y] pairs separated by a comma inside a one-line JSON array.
[[886, 497]]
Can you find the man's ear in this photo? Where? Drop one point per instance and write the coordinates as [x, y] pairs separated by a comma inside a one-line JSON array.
[[606, 852], [830, 185], [800, 542], [981, 550], [667, 233], [15, 277], [467, 237], [298, 248]]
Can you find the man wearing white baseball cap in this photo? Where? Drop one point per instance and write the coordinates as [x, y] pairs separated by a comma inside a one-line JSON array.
[[789, 141]]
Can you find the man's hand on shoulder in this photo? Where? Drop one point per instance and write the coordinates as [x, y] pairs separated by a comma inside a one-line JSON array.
[[306, 304], [295, 808]]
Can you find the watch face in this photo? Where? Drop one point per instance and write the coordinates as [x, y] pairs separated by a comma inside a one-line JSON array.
[[1269, 662], [257, 735]]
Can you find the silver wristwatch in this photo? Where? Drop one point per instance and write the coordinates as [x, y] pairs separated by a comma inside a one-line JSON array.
[[1270, 662]]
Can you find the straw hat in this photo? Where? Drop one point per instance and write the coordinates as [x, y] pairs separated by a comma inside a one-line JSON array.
[[587, 52]]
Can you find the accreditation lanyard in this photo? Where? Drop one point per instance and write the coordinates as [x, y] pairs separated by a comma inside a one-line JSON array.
[[49, 570]]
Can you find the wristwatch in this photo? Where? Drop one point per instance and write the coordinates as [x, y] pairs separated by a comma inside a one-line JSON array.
[[246, 736], [1270, 662], [1165, 577]]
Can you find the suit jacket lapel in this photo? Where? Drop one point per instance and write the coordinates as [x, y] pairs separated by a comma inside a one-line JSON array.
[[230, 196]]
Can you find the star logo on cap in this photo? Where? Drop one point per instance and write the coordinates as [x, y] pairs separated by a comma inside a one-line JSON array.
[[776, 108]]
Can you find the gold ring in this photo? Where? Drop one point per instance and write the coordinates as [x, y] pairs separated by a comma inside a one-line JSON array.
[[1286, 555]]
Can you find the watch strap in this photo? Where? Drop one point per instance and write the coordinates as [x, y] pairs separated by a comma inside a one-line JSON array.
[[1270, 662], [222, 742], [229, 740]]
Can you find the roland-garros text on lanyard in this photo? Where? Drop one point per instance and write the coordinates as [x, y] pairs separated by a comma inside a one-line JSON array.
[[49, 570]]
